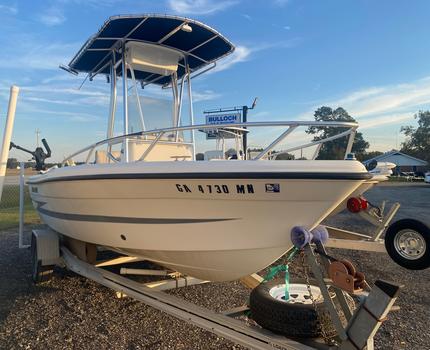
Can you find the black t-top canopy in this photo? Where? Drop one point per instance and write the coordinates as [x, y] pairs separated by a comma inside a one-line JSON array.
[[199, 43]]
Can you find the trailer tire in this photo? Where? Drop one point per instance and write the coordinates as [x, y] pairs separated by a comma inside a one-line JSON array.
[[39, 273], [407, 242], [294, 319]]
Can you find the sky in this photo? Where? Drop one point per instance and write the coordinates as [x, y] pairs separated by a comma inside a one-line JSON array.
[[369, 57]]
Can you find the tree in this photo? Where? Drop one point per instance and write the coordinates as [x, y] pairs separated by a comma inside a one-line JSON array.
[[417, 141], [369, 155], [335, 149], [12, 163], [284, 156]]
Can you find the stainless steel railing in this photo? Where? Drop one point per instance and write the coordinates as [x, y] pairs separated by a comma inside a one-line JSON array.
[[159, 133]]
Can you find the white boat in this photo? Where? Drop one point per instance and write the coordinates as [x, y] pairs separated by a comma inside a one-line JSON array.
[[142, 193]]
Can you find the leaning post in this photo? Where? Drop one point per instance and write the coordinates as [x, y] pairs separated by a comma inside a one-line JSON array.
[[4, 152]]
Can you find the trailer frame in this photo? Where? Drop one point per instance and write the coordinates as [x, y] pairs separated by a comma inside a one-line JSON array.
[[357, 334]]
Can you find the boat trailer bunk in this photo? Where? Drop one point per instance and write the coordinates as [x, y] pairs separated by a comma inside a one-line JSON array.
[[353, 329]]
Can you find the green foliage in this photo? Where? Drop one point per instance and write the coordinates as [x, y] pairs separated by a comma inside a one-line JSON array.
[[12, 163], [369, 155], [335, 149], [417, 142], [9, 208], [285, 156]]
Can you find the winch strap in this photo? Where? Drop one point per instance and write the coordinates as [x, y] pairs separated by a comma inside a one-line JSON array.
[[280, 268], [287, 283], [273, 272], [325, 255]]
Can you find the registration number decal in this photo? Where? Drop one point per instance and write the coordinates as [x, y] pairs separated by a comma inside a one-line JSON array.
[[215, 189], [225, 189]]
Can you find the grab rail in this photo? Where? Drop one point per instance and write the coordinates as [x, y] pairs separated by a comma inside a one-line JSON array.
[[292, 125]]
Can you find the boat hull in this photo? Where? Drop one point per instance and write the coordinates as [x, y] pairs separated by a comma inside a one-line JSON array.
[[212, 228]]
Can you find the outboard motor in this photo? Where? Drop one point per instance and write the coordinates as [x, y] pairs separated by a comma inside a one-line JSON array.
[[39, 155]]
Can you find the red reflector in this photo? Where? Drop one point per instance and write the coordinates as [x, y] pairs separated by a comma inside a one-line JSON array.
[[354, 205], [364, 203]]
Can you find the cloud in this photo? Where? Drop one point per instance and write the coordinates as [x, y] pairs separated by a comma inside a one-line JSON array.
[[60, 77], [30, 110], [386, 99], [240, 54], [9, 9], [381, 105], [53, 16], [385, 120], [33, 54], [205, 95], [246, 16], [47, 100], [200, 7], [243, 53]]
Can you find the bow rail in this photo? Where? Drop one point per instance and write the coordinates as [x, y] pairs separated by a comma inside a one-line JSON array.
[[159, 133]]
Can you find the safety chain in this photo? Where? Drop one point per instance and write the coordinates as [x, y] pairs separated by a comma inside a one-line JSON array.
[[306, 267]]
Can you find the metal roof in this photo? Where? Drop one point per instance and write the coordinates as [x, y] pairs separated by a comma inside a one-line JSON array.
[[202, 46], [398, 158]]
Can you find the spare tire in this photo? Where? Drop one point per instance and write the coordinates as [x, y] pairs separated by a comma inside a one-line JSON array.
[[407, 242], [295, 317]]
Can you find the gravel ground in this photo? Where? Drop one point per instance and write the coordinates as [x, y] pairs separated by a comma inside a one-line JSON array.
[[71, 312]]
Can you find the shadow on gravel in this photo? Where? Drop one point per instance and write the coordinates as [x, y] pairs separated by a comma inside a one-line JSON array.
[[15, 274]]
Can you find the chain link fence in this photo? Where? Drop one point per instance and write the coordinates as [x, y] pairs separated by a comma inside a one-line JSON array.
[[9, 204]]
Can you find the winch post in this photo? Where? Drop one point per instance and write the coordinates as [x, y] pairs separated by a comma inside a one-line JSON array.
[[366, 320], [319, 276], [339, 293]]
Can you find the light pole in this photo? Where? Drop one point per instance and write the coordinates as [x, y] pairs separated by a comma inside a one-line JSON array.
[[37, 132], [245, 119]]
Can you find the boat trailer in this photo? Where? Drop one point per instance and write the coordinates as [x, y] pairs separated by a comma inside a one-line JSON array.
[[358, 332]]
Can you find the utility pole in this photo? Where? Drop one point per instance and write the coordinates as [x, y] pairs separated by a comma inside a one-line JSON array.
[[37, 132]]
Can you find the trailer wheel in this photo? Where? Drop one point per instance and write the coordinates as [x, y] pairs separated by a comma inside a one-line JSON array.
[[408, 243], [295, 317], [39, 273]]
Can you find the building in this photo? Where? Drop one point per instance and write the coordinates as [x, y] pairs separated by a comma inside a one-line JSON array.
[[404, 162]]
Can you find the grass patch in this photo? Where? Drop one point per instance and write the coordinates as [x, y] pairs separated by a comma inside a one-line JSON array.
[[404, 179], [9, 208]]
